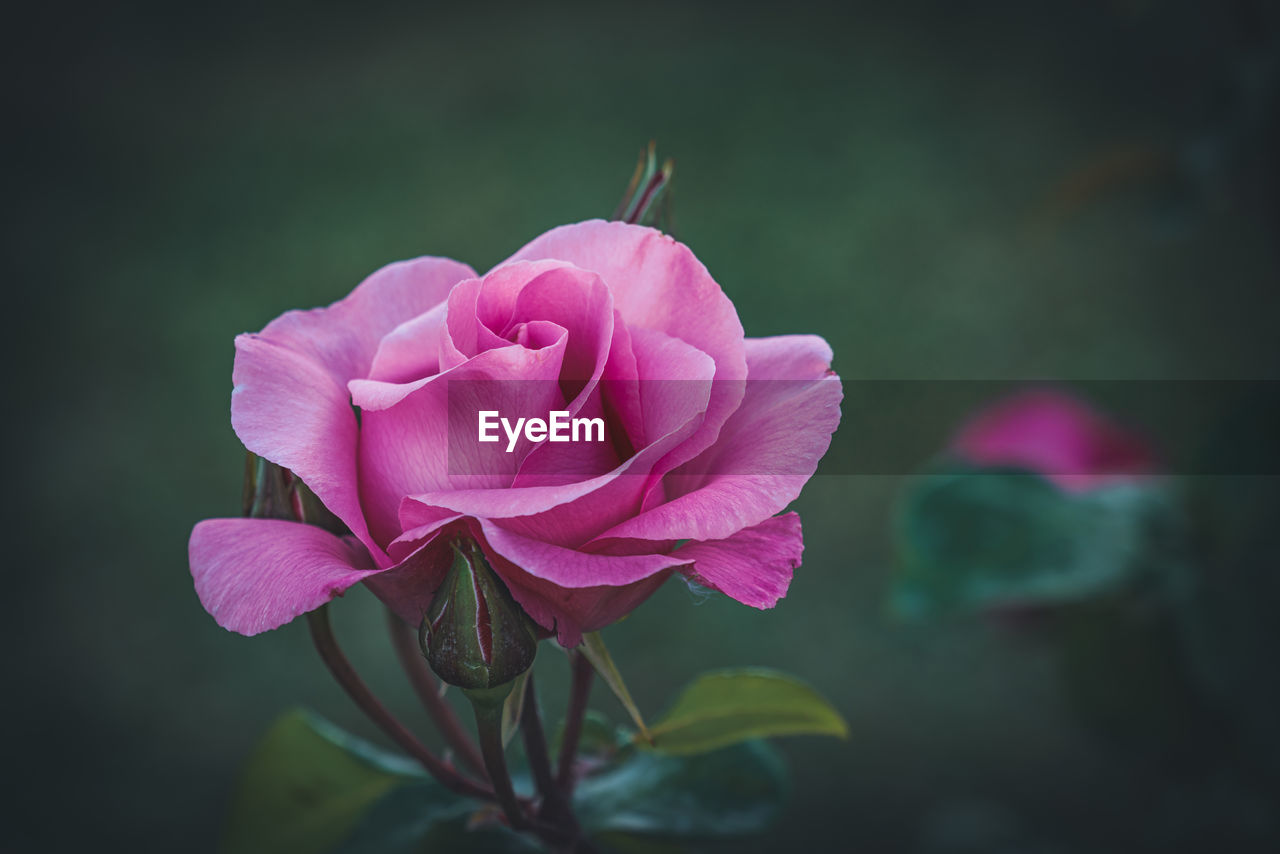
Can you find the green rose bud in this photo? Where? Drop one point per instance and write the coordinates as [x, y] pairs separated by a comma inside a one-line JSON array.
[[475, 636], [272, 492]]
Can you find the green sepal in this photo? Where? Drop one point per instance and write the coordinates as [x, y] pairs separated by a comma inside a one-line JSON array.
[[597, 653], [274, 492]]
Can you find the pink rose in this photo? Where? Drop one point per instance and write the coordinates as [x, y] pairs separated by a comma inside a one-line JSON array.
[[1056, 435], [709, 435]]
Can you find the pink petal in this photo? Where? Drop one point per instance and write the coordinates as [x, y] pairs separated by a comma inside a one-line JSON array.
[[578, 301], [562, 463], [767, 450], [253, 575], [620, 384], [1056, 435], [570, 611], [570, 568], [290, 403], [289, 409], [570, 514], [677, 381], [412, 349], [753, 566], [480, 310], [658, 283], [408, 588], [426, 440], [344, 337]]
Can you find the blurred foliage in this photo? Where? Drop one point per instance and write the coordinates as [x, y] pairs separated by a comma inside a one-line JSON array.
[[1107, 577], [310, 787], [974, 539], [308, 784]]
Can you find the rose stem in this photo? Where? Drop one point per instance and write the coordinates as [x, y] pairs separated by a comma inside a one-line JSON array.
[[535, 748], [428, 691], [345, 674], [579, 691], [489, 727]]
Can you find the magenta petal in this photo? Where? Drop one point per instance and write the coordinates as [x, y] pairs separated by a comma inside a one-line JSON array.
[[673, 411], [766, 453], [412, 349], [254, 575], [1057, 435], [480, 310], [408, 588], [571, 611], [620, 383], [423, 437], [677, 382], [290, 402], [344, 337], [570, 568], [570, 514], [657, 283], [498, 503], [575, 300], [465, 335], [290, 410], [753, 566]]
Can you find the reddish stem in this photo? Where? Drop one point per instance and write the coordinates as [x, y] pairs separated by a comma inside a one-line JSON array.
[[579, 692], [345, 674], [428, 691]]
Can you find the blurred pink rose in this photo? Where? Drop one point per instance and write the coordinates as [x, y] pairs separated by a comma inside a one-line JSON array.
[[1056, 435], [710, 435]]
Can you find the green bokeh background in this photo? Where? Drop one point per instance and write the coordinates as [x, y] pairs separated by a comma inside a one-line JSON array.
[[943, 191]]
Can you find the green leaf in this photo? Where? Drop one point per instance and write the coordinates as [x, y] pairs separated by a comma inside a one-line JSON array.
[[730, 792], [306, 785], [973, 539], [730, 706], [598, 654], [404, 818]]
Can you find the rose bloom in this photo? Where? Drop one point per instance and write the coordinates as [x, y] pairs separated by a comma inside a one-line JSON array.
[[1056, 435], [372, 403]]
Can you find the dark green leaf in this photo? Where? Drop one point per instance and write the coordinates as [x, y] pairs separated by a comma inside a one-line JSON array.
[[403, 820], [973, 539], [306, 786], [730, 792], [726, 707]]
